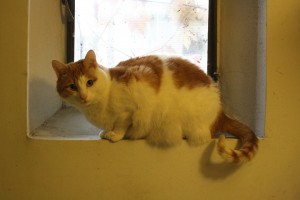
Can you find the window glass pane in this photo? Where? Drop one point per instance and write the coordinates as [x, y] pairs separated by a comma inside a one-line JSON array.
[[120, 29]]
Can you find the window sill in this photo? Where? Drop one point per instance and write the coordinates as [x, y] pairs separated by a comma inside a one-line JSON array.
[[69, 124], [66, 124]]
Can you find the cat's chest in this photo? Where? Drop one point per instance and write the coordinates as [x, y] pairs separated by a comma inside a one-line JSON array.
[[99, 117]]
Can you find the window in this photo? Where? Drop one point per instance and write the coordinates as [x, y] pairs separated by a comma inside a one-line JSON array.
[[118, 30], [115, 32]]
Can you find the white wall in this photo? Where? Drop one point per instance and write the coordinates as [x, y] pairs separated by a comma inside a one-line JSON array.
[[242, 60], [46, 42]]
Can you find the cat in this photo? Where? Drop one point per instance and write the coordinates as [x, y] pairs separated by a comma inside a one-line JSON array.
[[161, 99]]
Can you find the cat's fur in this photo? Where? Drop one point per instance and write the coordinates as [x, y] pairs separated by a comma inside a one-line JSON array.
[[162, 100]]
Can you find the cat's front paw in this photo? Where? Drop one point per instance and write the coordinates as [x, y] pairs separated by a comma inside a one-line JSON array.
[[111, 136]]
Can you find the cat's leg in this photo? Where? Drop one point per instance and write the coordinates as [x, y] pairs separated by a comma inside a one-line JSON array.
[[198, 136], [166, 134], [138, 129], [120, 127]]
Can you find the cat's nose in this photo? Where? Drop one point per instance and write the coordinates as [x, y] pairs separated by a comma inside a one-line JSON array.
[[83, 98]]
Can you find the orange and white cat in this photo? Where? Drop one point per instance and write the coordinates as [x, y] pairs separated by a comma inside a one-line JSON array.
[[160, 99]]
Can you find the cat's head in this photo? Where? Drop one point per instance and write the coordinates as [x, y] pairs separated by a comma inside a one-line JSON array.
[[80, 83]]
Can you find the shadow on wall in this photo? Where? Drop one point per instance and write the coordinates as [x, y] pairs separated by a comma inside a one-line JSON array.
[[43, 101], [215, 170]]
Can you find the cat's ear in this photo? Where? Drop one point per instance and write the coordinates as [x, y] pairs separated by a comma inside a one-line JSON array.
[[90, 59], [58, 67]]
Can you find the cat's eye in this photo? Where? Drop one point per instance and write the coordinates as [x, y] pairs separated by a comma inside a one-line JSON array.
[[90, 83], [73, 87]]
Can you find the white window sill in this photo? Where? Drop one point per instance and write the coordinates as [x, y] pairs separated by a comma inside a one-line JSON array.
[[66, 124]]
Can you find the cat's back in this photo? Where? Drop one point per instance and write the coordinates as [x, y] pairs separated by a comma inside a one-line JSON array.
[[154, 70], [165, 90]]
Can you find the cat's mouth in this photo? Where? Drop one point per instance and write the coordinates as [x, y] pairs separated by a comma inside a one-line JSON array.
[[86, 103]]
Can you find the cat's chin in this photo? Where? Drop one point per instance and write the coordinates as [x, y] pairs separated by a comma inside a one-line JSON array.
[[82, 104], [86, 103]]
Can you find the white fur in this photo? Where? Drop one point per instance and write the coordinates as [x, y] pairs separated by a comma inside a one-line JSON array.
[[138, 111]]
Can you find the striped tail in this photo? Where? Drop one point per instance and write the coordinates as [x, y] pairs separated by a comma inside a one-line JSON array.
[[248, 139]]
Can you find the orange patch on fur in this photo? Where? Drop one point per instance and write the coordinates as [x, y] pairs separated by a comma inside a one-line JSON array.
[[148, 68], [186, 74]]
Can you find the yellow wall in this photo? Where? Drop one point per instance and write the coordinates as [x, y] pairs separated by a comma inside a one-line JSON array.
[[34, 169]]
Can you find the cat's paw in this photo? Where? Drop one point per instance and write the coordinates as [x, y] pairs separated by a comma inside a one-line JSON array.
[[111, 136]]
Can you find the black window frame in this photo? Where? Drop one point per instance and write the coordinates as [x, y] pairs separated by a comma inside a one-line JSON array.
[[70, 29], [212, 40]]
